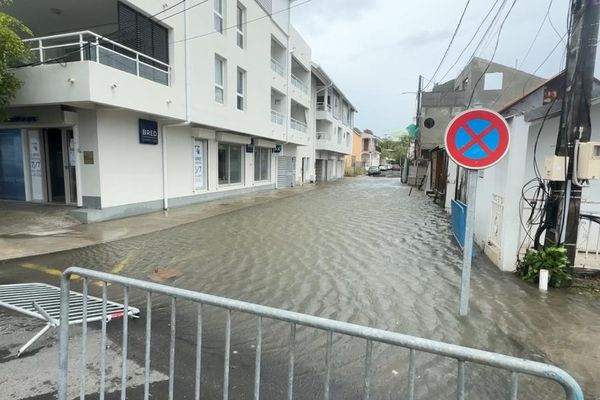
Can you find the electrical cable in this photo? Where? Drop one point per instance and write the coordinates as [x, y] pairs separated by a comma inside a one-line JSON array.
[[470, 41], [106, 37], [537, 34], [247, 22], [493, 54], [462, 15]]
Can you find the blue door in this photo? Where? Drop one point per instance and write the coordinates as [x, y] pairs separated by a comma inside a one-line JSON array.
[[12, 179]]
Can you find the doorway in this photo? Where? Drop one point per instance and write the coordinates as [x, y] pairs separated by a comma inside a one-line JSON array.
[[60, 166]]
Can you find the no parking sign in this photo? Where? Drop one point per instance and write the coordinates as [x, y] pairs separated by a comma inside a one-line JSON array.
[[475, 139]]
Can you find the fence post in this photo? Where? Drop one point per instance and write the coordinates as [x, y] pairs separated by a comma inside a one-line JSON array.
[[63, 356]]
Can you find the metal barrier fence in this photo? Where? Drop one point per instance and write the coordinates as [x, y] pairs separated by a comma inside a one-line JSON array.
[[462, 354]]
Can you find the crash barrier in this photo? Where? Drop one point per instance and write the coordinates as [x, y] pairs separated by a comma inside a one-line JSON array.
[[463, 355], [42, 301]]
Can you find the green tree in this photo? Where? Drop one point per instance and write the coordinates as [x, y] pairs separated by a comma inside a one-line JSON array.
[[395, 149], [12, 51]]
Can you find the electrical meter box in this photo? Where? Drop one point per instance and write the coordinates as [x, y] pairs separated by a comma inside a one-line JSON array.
[[588, 161], [555, 168]]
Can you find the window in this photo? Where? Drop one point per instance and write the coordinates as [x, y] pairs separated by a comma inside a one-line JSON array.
[[230, 163], [218, 16], [492, 81], [140, 33], [241, 22], [219, 80], [241, 89], [262, 160]]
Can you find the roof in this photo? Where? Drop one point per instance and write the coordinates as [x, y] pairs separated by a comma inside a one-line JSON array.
[[547, 82], [322, 75], [520, 98]]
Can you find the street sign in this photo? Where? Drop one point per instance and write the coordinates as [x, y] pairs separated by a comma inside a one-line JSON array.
[[477, 139]]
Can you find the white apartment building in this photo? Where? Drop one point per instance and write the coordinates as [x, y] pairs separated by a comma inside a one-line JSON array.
[[134, 106]]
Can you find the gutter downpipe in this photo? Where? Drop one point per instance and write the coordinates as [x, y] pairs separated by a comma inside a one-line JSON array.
[[187, 121]]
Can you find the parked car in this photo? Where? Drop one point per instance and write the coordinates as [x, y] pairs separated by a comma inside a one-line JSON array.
[[373, 170], [396, 167], [382, 168]]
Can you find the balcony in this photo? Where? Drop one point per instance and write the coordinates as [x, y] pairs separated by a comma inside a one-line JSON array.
[[277, 67], [321, 106], [297, 125], [277, 117], [298, 84], [88, 46]]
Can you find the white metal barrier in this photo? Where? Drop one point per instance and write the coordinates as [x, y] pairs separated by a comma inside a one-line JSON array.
[[463, 355]]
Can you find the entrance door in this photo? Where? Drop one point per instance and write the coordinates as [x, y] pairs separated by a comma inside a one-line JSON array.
[[56, 166], [12, 180], [286, 171]]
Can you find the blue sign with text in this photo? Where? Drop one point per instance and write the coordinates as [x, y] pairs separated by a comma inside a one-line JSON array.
[[148, 131]]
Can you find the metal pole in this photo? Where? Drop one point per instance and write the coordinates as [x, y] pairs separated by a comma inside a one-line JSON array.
[[468, 245], [63, 347]]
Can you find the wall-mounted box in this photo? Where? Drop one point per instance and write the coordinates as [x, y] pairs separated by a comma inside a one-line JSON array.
[[588, 161], [555, 168]]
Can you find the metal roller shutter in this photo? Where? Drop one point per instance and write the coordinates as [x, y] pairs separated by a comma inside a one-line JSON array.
[[286, 169]]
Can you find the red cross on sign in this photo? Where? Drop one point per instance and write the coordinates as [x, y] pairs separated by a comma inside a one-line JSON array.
[[477, 139]]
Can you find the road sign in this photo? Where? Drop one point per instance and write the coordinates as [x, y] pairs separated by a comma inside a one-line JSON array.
[[477, 139]]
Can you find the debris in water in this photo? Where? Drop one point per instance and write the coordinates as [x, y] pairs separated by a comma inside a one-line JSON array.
[[164, 274]]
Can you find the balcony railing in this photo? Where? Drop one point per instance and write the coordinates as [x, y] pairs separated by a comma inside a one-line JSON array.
[[276, 67], [321, 106], [297, 82], [297, 125], [89, 46], [323, 136], [277, 117]]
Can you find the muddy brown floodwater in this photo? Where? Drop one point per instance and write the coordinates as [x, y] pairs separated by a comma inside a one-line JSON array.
[[361, 251]]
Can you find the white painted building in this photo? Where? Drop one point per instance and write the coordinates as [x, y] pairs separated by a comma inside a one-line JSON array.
[[135, 106], [501, 214]]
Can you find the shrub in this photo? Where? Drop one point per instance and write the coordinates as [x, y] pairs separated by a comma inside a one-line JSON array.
[[552, 258]]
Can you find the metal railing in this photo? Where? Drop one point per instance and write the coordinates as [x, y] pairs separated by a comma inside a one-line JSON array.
[[323, 135], [297, 82], [297, 125], [588, 237], [293, 319], [89, 46], [277, 67], [277, 117], [321, 106]]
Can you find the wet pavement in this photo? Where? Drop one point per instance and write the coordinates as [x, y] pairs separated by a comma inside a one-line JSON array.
[[361, 251]]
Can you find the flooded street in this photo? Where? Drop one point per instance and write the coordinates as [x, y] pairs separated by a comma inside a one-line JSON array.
[[360, 251]]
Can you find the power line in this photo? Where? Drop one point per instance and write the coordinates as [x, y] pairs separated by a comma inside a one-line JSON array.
[[268, 15], [470, 41], [537, 34], [494, 52], [107, 37], [451, 41]]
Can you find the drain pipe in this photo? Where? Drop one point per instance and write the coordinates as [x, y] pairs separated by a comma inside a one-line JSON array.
[[187, 121]]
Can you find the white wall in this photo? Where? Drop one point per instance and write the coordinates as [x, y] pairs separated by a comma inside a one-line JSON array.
[[507, 178], [88, 141], [130, 172]]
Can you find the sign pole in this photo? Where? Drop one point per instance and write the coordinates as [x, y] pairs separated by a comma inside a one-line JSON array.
[[465, 283]]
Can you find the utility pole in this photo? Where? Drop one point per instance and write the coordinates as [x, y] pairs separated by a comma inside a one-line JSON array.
[[565, 197], [418, 113]]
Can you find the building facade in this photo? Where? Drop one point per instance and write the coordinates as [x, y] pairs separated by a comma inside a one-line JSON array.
[[353, 160], [505, 225], [481, 84], [155, 106], [369, 154]]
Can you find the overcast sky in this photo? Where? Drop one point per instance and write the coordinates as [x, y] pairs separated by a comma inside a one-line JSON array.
[[376, 49]]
